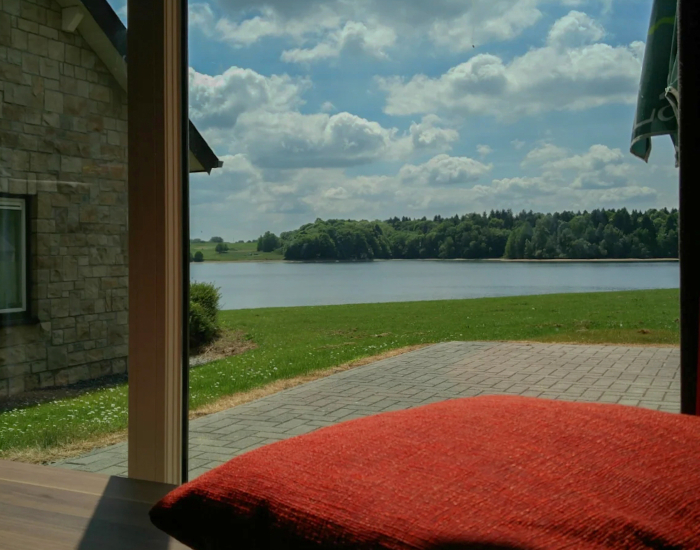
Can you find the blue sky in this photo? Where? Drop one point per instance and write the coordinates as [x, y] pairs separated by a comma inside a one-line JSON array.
[[368, 109]]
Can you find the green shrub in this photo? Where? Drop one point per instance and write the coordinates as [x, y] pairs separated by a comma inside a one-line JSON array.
[[198, 256], [203, 328], [204, 312], [207, 295]]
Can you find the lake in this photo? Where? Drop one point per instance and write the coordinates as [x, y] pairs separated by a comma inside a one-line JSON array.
[[279, 284]]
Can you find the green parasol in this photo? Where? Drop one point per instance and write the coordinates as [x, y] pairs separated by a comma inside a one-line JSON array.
[[657, 106]]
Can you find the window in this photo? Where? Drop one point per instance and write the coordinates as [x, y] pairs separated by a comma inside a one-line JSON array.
[[13, 256]]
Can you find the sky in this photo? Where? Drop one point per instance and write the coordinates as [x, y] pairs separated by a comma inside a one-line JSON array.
[[369, 109]]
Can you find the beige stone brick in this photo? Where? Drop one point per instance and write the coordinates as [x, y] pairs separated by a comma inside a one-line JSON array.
[[77, 358], [20, 161], [46, 379], [100, 93], [51, 119], [39, 162], [19, 39], [87, 59], [10, 72], [54, 19], [57, 50], [53, 101], [74, 105], [49, 68], [33, 12], [16, 385], [71, 165], [48, 32], [57, 357], [113, 138], [38, 45], [72, 55], [27, 142], [61, 378], [18, 94], [98, 370], [78, 374], [59, 307], [5, 29], [28, 26], [10, 358], [30, 63], [11, 7], [39, 366]]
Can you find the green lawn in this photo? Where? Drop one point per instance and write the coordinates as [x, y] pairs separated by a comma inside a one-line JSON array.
[[237, 252], [295, 341]]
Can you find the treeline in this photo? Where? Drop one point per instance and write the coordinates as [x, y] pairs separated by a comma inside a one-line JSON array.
[[598, 234]]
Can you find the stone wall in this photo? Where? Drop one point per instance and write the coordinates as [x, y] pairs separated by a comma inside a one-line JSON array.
[[63, 141]]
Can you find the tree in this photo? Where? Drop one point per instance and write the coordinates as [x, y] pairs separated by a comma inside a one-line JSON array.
[[599, 233], [198, 256], [268, 242], [216, 240], [221, 248]]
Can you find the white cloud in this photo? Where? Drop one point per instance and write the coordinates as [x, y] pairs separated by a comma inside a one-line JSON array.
[[218, 101], [294, 140], [323, 27], [517, 144], [596, 158], [354, 36], [625, 195], [515, 188], [328, 107], [557, 76], [484, 150], [546, 152], [430, 133], [484, 22], [575, 30], [598, 168], [444, 170], [242, 111], [236, 175]]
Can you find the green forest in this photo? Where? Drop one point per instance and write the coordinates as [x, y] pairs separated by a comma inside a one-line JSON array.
[[599, 234]]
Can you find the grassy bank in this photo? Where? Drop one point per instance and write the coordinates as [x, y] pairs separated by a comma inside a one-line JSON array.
[[237, 252], [297, 341]]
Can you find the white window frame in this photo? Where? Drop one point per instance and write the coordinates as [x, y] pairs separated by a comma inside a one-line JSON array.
[[10, 203]]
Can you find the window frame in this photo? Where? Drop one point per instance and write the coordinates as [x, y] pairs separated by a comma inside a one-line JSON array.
[[21, 316]]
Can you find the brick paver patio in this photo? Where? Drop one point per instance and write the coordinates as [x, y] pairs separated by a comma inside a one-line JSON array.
[[639, 376]]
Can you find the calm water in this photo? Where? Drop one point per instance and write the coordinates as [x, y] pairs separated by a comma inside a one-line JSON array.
[[278, 284]]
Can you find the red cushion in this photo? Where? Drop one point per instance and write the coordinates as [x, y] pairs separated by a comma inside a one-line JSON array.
[[486, 472]]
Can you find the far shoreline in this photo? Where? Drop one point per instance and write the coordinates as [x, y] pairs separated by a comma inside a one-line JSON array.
[[470, 260]]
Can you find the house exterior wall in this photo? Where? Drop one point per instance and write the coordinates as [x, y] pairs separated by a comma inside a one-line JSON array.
[[63, 142]]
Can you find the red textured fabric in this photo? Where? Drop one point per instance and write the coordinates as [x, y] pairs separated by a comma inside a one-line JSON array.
[[488, 472]]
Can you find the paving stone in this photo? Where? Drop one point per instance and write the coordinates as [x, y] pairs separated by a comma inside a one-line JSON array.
[[609, 374]]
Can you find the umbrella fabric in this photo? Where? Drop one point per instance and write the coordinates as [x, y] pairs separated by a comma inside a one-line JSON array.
[[657, 106]]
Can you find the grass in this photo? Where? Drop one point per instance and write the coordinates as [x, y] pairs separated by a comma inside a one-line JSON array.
[[237, 252], [293, 342]]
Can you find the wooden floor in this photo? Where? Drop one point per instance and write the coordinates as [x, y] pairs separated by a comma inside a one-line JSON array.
[[45, 508]]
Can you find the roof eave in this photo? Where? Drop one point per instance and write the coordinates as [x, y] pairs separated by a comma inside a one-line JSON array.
[[106, 34]]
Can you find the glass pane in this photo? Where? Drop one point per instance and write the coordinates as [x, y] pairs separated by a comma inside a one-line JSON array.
[[11, 260], [63, 130], [490, 138]]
